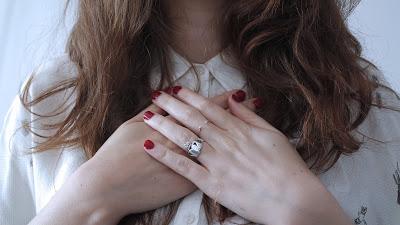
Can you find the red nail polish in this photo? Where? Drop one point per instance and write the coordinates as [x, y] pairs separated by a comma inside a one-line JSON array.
[[148, 145], [239, 96], [176, 89], [155, 94], [258, 103], [147, 115]]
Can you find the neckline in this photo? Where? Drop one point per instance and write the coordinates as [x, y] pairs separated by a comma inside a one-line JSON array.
[[188, 63]]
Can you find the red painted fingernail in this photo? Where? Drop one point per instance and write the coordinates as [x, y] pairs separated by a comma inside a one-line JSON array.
[[239, 96], [258, 103], [155, 94], [176, 89], [147, 115], [148, 145]]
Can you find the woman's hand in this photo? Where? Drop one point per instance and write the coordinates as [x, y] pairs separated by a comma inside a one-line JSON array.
[[121, 178], [246, 164]]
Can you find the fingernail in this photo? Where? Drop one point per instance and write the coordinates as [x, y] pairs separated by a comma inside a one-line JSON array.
[[258, 103], [239, 96], [148, 145], [176, 89], [155, 94], [147, 115]]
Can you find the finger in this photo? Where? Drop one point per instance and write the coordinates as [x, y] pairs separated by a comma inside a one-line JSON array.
[[213, 112], [248, 104], [182, 165], [187, 115], [152, 107], [222, 99], [177, 134], [247, 115]]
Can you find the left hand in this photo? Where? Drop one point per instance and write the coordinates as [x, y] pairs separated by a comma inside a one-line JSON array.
[[246, 164]]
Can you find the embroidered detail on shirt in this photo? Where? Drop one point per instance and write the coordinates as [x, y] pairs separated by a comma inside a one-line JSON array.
[[396, 177], [361, 216]]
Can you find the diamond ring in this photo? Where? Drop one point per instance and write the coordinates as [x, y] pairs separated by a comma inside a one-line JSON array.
[[194, 147]]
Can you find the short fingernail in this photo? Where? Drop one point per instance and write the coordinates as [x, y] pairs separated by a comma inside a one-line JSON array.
[[148, 145], [239, 96], [258, 103], [147, 115], [176, 89], [155, 94]]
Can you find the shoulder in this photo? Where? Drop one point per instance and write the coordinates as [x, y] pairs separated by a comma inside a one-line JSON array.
[[51, 73], [50, 88]]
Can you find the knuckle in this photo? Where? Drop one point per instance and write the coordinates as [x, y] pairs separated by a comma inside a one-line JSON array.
[[186, 136], [161, 122], [189, 114], [167, 100], [205, 105], [182, 165], [243, 131], [215, 188], [229, 144], [162, 154]]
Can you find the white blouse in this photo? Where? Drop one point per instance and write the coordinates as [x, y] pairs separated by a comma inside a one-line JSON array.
[[366, 183]]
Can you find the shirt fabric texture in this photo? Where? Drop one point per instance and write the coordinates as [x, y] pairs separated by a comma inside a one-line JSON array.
[[364, 183]]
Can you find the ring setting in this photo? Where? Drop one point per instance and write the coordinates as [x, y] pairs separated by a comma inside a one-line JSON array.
[[194, 147]]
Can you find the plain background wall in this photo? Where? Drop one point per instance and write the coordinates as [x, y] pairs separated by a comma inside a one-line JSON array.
[[31, 32]]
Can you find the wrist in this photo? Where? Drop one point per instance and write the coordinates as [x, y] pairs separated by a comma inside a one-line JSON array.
[[63, 212], [77, 203], [94, 206], [305, 202]]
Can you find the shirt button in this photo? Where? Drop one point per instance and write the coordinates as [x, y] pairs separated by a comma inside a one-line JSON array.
[[190, 218]]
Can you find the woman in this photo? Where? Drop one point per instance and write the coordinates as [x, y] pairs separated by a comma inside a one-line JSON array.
[[263, 112]]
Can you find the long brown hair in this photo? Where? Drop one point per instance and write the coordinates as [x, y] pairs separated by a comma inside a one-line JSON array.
[[298, 55]]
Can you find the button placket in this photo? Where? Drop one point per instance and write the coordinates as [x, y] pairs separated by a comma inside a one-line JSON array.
[[204, 77], [200, 69]]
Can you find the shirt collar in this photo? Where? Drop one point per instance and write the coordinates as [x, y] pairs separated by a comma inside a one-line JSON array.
[[222, 68]]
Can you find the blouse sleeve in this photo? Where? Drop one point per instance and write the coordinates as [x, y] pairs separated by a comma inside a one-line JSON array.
[[16, 181], [25, 183]]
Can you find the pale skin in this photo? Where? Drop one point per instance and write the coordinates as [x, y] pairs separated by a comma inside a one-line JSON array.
[[198, 31], [102, 189], [246, 164], [195, 31], [121, 178]]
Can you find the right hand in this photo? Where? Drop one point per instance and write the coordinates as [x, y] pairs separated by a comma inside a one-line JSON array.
[[122, 179]]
